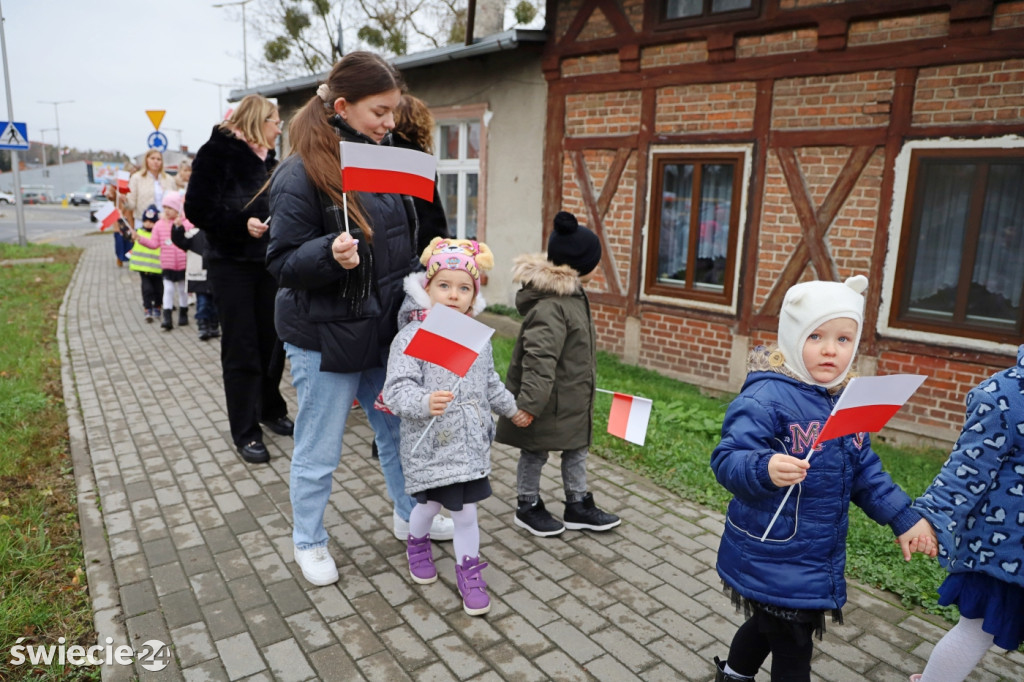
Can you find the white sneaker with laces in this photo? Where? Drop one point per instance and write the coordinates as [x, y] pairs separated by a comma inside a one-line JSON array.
[[441, 528], [317, 565]]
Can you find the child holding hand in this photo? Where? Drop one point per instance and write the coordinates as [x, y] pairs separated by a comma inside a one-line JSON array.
[[172, 260], [789, 581], [450, 467], [976, 504]]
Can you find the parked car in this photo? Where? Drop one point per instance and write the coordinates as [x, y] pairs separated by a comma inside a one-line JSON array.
[[98, 202], [6, 198], [35, 196], [85, 194]]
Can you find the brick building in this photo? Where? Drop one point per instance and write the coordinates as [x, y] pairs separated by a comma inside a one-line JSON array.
[[727, 149]]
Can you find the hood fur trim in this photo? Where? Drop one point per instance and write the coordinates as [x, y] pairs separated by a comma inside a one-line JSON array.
[[534, 269], [414, 285]]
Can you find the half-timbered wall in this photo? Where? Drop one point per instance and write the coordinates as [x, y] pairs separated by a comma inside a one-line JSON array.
[[818, 98]]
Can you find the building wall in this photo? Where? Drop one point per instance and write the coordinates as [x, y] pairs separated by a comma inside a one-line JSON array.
[[825, 100]]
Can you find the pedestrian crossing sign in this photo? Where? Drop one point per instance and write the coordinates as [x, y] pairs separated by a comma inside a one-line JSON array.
[[14, 135]]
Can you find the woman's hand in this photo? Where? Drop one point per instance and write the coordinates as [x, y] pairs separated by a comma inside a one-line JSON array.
[[256, 227], [786, 470], [439, 401], [346, 251]]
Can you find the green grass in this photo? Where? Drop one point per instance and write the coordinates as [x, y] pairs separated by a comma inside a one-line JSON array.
[[685, 427], [43, 595]]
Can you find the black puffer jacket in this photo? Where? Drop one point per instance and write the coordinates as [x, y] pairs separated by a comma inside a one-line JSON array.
[[310, 312], [226, 175]]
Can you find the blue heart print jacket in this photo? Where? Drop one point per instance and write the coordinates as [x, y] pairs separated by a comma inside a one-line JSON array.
[[801, 564], [976, 502]]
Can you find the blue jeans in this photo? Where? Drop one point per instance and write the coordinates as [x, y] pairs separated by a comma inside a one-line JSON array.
[[206, 309], [325, 399]]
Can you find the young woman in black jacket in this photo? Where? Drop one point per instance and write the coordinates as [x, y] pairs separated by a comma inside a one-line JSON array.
[[337, 306], [225, 201]]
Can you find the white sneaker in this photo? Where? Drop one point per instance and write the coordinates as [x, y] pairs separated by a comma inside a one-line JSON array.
[[317, 565], [441, 528]]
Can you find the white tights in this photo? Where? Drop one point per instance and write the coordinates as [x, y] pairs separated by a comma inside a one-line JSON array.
[[467, 532], [958, 652], [170, 288]]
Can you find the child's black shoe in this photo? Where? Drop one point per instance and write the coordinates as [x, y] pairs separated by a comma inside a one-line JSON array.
[[535, 518], [585, 515]]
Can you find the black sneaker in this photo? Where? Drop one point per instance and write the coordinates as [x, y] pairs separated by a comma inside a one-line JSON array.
[[536, 519], [585, 515], [254, 452]]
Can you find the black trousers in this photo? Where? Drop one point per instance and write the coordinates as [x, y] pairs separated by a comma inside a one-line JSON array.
[[152, 290], [251, 355], [790, 645]]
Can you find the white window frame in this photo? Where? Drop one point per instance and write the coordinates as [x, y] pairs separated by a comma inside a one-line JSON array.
[[900, 189], [462, 116]]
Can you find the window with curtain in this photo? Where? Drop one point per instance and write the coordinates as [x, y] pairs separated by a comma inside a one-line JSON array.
[[961, 259], [458, 175], [694, 213], [678, 11]]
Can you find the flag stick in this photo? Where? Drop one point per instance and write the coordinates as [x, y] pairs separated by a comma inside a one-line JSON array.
[[434, 419], [789, 491], [344, 202]]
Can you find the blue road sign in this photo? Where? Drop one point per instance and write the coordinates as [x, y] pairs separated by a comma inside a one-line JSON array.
[[13, 135], [157, 140]]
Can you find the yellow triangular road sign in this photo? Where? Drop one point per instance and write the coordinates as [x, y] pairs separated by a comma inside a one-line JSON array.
[[156, 117]]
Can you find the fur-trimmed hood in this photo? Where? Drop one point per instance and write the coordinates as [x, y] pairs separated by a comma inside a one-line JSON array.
[[417, 299], [535, 270]]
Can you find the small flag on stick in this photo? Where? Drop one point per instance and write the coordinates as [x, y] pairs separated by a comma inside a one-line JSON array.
[[866, 405], [122, 181], [107, 216], [450, 339], [382, 169], [629, 417]]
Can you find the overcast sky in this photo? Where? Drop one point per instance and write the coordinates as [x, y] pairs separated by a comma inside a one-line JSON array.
[[116, 59]]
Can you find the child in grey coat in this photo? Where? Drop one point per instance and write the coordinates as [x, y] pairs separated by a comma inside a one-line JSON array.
[[449, 467]]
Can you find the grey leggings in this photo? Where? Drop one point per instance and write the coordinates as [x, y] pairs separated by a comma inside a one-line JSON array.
[[574, 474]]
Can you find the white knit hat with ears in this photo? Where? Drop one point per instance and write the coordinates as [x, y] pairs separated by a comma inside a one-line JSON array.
[[809, 305]]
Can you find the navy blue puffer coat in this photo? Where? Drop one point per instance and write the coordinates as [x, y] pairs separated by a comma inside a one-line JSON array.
[[802, 562]]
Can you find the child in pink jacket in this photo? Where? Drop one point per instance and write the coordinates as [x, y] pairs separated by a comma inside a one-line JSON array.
[[172, 260]]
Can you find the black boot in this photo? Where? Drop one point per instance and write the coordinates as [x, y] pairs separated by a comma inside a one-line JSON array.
[[167, 324], [535, 518], [183, 317], [585, 514], [204, 329], [722, 676], [214, 328]]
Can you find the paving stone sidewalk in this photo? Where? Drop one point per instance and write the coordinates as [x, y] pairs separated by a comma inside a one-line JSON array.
[[187, 544]]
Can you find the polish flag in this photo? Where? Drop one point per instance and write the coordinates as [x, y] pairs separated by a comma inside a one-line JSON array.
[[122, 181], [629, 416], [449, 338], [107, 216], [382, 169], [868, 403]]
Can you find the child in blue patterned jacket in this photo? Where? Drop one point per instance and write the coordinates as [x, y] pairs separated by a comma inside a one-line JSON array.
[[976, 504], [450, 467]]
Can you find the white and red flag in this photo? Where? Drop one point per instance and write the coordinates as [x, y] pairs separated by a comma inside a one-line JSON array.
[[629, 417], [449, 338], [107, 215], [122, 181], [382, 169], [868, 403]]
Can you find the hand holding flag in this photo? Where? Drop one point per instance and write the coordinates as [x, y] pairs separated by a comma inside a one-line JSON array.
[[866, 404]]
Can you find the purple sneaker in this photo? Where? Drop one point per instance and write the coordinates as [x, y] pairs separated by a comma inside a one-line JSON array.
[[421, 561], [472, 586]]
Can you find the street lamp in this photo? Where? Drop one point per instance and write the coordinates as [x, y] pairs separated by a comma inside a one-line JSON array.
[[245, 57], [60, 150], [42, 133], [220, 99]]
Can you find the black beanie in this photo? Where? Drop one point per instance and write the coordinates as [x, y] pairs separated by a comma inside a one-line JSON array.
[[573, 244]]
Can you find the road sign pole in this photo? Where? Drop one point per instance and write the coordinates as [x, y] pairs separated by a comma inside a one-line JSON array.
[[19, 208]]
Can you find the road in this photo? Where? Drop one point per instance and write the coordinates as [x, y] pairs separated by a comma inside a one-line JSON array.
[[45, 223]]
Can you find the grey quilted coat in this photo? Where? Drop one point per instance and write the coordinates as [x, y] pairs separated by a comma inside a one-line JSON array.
[[457, 448]]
